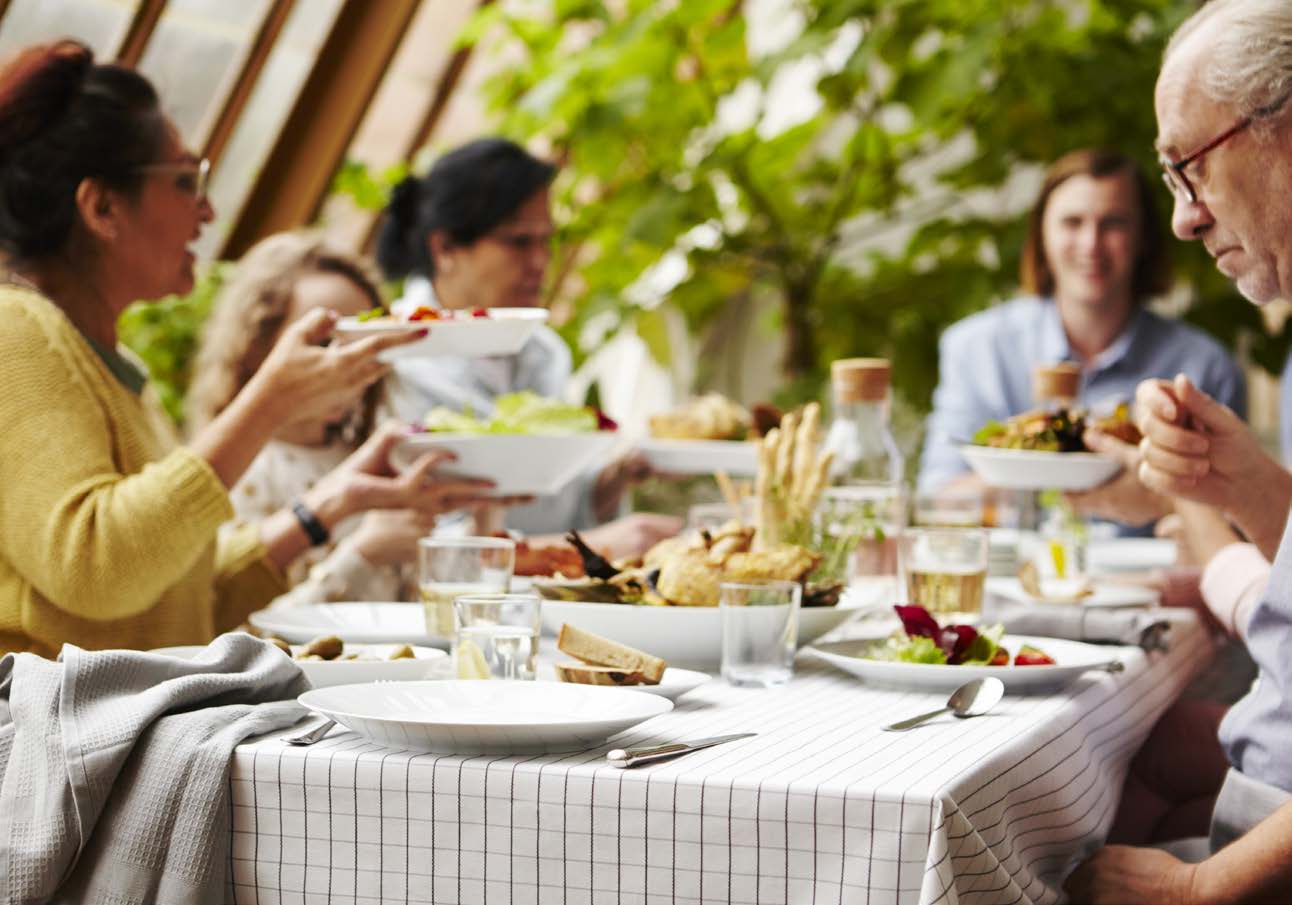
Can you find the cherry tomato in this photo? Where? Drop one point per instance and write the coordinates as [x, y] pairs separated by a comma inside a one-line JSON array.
[[1032, 656]]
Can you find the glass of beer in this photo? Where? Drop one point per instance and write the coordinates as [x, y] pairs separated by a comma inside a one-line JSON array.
[[945, 569], [449, 567]]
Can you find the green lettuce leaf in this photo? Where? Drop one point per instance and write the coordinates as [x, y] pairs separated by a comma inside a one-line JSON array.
[[516, 413], [919, 649], [983, 648]]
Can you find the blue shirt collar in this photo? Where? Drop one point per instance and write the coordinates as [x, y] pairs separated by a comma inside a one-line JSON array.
[[1054, 345]]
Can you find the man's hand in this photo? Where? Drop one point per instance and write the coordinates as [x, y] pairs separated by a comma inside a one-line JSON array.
[[1196, 449], [1123, 498], [1122, 875]]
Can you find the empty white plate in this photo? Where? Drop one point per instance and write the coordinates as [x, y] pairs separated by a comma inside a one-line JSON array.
[[485, 717], [362, 623]]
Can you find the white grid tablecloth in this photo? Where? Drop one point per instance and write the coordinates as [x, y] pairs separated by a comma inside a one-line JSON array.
[[821, 807]]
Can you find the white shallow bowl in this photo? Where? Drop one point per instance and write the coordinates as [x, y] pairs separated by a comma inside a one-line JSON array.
[[1027, 469], [537, 464], [688, 636], [361, 623], [504, 332], [1130, 554], [326, 673], [674, 683], [735, 457], [485, 717], [1106, 594], [1072, 658]]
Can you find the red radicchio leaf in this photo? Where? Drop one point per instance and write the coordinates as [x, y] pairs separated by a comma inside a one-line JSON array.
[[955, 641], [917, 621]]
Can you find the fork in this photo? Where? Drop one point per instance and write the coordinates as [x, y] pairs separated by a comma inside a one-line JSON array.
[[310, 736]]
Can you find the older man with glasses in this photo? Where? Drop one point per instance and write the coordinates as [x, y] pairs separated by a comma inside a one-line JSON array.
[[1225, 136]]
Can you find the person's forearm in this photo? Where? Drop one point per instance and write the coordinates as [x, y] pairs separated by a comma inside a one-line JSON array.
[[1263, 516], [1257, 867], [1205, 529], [283, 534], [232, 440]]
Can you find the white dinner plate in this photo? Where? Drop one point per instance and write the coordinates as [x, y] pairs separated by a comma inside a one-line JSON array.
[[1072, 658], [688, 636], [735, 457], [361, 623], [325, 673], [1130, 554], [1028, 469], [504, 332], [485, 717], [672, 685], [537, 464], [1106, 594]]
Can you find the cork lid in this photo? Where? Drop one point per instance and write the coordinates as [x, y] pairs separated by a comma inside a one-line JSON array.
[[1060, 381], [860, 379]]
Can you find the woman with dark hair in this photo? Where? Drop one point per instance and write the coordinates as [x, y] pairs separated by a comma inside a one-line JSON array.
[[1093, 256], [476, 231], [108, 530]]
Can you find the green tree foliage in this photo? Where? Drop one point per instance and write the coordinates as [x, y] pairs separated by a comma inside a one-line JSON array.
[[166, 333], [863, 213]]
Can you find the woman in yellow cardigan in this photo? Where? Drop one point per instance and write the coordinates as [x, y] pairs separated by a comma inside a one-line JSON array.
[[108, 531]]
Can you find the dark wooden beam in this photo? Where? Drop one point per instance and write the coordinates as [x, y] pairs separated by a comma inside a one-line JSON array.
[[313, 139]]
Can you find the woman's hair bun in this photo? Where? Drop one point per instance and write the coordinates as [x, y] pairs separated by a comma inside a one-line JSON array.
[[404, 198], [37, 86]]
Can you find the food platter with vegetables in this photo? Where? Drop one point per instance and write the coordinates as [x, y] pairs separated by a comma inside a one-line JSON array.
[[927, 655], [473, 333]]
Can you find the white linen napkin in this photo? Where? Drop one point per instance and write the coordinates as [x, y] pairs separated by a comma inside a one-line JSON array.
[[1080, 623], [114, 768]]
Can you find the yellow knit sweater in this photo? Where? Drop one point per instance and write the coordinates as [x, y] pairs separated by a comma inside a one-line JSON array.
[[108, 531]]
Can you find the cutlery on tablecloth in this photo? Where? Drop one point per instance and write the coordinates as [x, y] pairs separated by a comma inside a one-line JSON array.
[[310, 736], [631, 757], [970, 699]]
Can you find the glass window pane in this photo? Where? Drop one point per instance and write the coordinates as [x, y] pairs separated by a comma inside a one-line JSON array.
[[99, 24], [272, 97], [194, 54]]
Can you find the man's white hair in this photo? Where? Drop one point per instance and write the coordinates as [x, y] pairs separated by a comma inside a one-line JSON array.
[[1249, 61]]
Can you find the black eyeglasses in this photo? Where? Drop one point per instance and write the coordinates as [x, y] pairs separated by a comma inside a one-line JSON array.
[[1173, 172], [194, 175]]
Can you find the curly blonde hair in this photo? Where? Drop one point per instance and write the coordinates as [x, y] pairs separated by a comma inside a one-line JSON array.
[[250, 312]]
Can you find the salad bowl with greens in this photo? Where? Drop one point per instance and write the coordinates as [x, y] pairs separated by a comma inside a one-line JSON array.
[[528, 445]]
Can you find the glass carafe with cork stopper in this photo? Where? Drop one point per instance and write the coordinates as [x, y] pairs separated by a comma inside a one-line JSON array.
[[859, 437], [1056, 389], [860, 518]]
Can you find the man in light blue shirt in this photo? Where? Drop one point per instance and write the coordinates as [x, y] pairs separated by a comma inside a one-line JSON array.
[[1094, 254]]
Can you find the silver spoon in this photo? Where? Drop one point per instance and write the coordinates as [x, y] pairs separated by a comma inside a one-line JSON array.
[[970, 699]]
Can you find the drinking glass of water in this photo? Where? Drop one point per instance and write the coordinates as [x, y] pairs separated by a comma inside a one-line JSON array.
[[497, 635], [760, 621], [448, 567], [946, 570]]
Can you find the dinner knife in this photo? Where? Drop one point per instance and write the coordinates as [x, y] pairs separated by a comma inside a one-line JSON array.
[[631, 757]]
